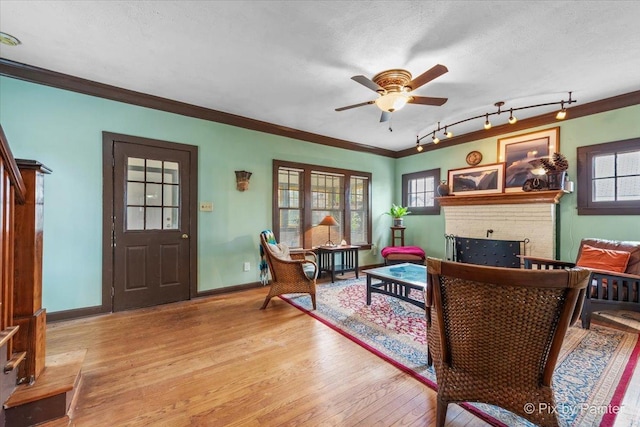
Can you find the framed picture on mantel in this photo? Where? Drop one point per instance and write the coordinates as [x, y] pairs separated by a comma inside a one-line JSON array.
[[521, 155], [485, 179]]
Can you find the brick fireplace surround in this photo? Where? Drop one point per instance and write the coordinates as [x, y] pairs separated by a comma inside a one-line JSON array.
[[511, 216]]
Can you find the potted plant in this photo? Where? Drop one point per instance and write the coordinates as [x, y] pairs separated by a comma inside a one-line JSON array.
[[397, 213]]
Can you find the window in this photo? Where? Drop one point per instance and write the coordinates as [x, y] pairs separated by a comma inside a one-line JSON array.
[[609, 178], [152, 194], [419, 192], [305, 194]]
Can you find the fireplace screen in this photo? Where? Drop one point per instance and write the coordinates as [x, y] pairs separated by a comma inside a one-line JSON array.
[[490, 252]]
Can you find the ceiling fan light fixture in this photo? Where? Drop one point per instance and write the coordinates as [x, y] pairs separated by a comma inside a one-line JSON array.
[[393, 101]]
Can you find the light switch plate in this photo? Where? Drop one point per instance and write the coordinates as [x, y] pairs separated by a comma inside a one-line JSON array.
[[206, 206]]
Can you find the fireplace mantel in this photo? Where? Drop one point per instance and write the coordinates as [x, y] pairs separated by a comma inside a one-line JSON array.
[[503, 198]]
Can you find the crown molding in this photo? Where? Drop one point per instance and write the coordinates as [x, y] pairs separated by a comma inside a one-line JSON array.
[[87, 87], [75, 84]]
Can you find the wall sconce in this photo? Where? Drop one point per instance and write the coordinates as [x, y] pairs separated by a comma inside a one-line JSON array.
[[242, 180]]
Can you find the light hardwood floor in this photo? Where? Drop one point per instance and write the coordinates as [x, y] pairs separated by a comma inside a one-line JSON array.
[[221, 361]]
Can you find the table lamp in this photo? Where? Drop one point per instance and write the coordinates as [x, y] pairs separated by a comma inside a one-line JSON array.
[[329, 221]]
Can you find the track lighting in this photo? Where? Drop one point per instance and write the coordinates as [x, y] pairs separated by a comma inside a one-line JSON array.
[[487, 123], [561, 115], [418, 146]]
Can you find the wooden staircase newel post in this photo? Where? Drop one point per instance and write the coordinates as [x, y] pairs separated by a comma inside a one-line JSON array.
[[27, 311]]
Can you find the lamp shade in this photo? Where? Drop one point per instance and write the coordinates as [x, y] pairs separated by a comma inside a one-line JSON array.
[[328, 220]]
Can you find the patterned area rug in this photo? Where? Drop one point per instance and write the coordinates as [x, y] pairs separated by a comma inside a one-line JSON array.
[[590, 380]]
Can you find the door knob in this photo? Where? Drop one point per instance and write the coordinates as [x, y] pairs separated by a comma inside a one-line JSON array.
[[185, 236]]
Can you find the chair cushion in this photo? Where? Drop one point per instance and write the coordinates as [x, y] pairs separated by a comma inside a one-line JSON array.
[[402, 250], [633, 266], [310, 270], [280, 250], [603, 259]]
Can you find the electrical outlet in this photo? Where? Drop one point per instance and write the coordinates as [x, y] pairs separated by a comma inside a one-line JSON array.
[[246, 266], [206, 206]]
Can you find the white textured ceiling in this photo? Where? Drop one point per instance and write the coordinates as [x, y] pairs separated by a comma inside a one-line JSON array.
[[290, 62]]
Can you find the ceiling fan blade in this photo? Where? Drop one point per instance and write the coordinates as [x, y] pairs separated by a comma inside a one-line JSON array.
[[348, 107], [385, 116], [364, 81], [427, 76], [427, 100]]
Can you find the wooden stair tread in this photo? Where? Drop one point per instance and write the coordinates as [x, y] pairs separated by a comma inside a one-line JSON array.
[[59, 376]]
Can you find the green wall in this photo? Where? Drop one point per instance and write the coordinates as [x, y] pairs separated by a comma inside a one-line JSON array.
[[63, 130], [428, 231]]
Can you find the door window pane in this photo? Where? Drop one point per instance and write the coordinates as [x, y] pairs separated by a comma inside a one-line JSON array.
[[135, 193], [135, 218], [154, 171], [170, 195], [171, 175], [153, 194], [135, 169], [170, 218], [153, 219]]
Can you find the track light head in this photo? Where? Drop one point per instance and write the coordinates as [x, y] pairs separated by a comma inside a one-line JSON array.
[[562, 114], [487, 123], [512, 118], [419, 148]]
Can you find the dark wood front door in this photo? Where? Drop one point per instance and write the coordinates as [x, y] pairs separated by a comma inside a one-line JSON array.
[[151, 225]]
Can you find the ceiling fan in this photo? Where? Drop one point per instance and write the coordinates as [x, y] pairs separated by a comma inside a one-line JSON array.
[[395, 87]]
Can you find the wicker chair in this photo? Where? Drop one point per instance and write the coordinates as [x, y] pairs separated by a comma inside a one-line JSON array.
[[624, 291], [290, 272], [495, 333]]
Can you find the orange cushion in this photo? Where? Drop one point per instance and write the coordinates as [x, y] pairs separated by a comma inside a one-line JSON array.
[[603, 259]]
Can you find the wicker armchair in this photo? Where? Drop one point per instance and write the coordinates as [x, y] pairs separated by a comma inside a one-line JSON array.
[[495, 333], [624, 292], [290, 272]]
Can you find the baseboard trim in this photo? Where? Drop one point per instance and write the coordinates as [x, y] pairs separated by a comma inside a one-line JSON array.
[[228, 289], [76, 313], [98, 309]]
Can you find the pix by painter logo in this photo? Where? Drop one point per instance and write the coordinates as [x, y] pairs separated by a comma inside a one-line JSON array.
[[545, 408]]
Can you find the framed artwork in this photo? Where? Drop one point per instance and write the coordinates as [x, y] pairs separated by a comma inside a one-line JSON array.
[[521, 155], [485, 179]]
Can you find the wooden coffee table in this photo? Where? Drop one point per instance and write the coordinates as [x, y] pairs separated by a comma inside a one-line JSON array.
[[397, 281]]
